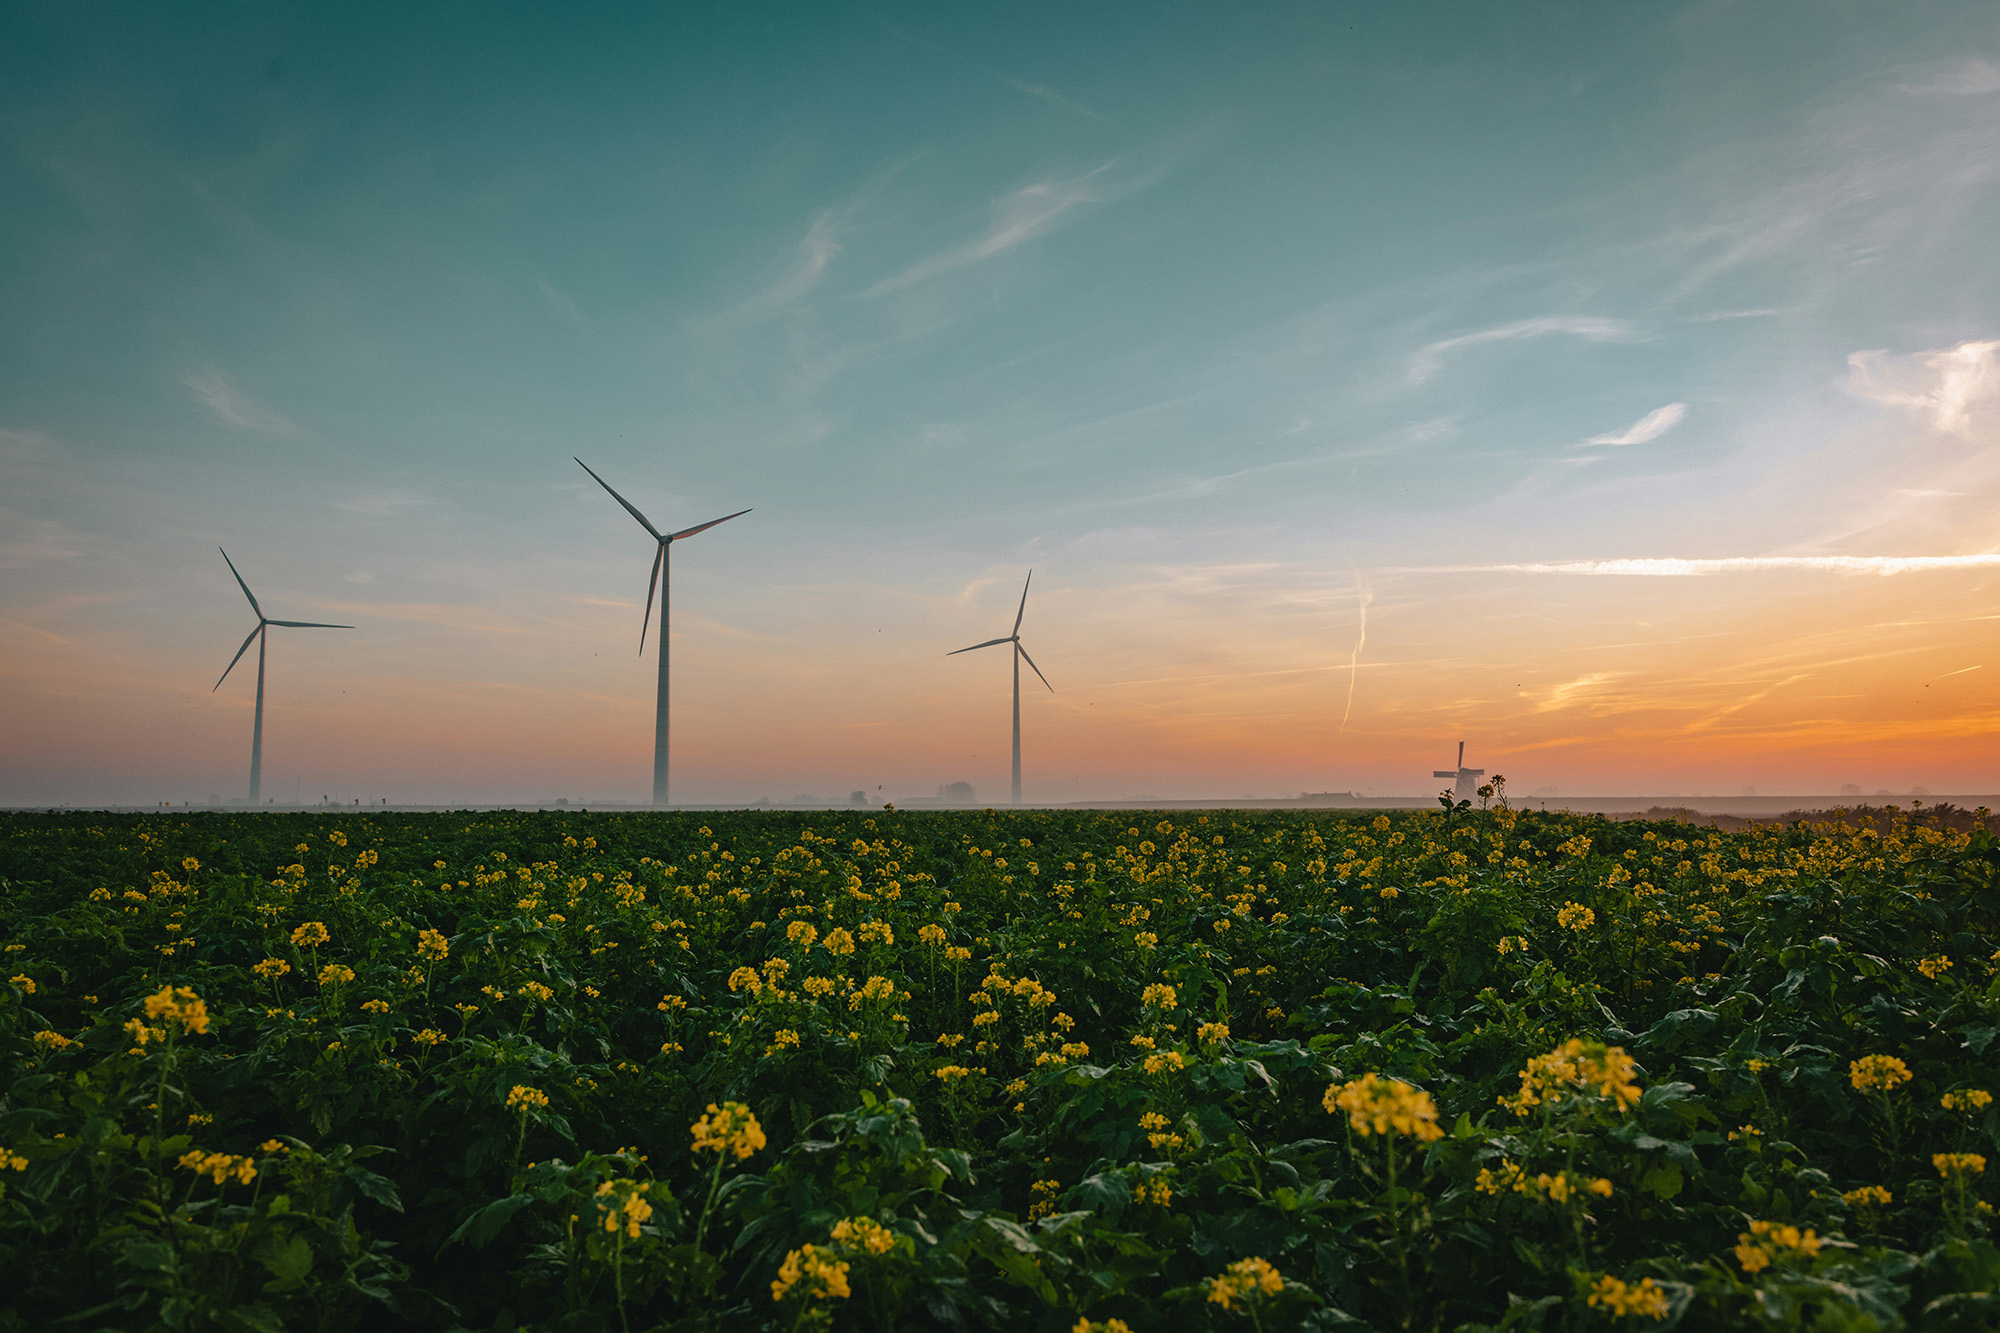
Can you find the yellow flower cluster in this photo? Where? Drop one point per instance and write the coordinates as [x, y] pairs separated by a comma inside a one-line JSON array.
[[802, 933], [51, 1040], [932, 935], [1968, 1099], [748, 979], [1159, 995], [1618, 1299], [310, 935], [812, 1272], [1159, 1191], [178, 1004], [335, 974], [1868, 1196], [839, 942], [1950, 1164], [1877, 1073], [948, 1073], [24, 981], [432, 946], [1577, 1068], [429, 1037], [221, 1166], [1377, 1105], [272, 968], [1108, 1326], [864, 1234], [729, 1128], [877, 932], [1934, 967], [783, 1039], [1244, 1280], [538, 990], [522, 1097], [1575, 916], [1211, 1033], [622, 1206], [1515, 943], [1163, 1062], [1766, 1243]]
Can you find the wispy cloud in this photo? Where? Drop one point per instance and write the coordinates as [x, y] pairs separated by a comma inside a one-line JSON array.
[[1360, 642], [1649, 427], [561, 303], [1035, 90], [1944, 385], [1430, 359], [213, 390], [1968, 76], [1046, 94], [1662, 567], [1019, 216]]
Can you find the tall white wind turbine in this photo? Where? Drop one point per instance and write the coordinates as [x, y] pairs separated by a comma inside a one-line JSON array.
[[662, 578], [263, 624], [1020, 655]]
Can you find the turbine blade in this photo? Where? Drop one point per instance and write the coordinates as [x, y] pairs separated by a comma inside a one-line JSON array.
[[1031, 664], [645, 624], [1024, 604], [619, 498], [239, 656], [988, 644], [1444, 773], [704, 527], [305, 624], [241, 584]]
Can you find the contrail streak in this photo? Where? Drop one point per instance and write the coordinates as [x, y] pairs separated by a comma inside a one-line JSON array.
[[1354, 662], [1676, 568]]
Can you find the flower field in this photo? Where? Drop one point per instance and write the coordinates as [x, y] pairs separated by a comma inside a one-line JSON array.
[[1454, 1069]]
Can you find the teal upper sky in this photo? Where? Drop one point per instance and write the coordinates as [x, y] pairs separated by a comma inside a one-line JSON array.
[[1111, 289]]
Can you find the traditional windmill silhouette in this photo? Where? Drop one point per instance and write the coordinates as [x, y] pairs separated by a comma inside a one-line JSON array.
[[1466, 784]]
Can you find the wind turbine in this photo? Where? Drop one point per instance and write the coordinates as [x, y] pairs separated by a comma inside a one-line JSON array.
[[263, 624], [1020, 655], [662, 578], [1466, 785]]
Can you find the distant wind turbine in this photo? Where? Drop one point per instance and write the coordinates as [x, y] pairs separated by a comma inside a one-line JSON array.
[[1020, 655], [662, 578], [263, 623]]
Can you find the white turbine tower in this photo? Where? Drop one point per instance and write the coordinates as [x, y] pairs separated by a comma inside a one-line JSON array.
[[1020, 655], [1466, 784], [257, 728], [662, 578]]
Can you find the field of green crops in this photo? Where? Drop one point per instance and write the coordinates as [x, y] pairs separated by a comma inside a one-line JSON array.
[[1455, 1069]]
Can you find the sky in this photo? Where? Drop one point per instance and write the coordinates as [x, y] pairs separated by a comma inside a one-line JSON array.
[[1612, 387]]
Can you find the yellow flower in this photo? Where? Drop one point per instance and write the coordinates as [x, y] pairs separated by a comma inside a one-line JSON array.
[[272, 968], [190, 865], [812, 1273], [782, 1038], [1577, 1068], [310, 935], [838, 942], [1159, 995], [1620, 1300], [730, 1128], [1878, 1073], [864, 1234], [1575, 916], [24, 981], [1377, 1105], [948, 1073], [1934, 967], [432, 946], [429, 1037], [1950, 1164], [1767, 1243], [1968, 1099], [178, 1004], [1165, 1061], [334, 974], [622, 1206], [376, 1006], [747, 979], [220, 1166], [522, 1097], [802, 933], [1868, 1196], [1244, 1280]]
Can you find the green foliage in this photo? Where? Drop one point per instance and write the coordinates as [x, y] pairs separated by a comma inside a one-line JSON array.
[[1024, 1071]]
